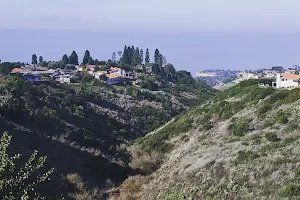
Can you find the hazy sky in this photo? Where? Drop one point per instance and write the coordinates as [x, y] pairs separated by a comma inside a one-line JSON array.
[[192, 34]]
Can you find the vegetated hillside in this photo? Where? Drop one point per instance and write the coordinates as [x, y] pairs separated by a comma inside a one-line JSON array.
[[243, 144], [82, 127]]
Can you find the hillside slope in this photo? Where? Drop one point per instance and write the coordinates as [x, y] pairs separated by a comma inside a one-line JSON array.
[[83, 128], [243, 144]]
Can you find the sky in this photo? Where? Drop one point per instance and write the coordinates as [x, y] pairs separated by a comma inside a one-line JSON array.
[[192, 34]]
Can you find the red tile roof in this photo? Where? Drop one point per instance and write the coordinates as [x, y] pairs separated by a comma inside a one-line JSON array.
[[114, 69], [90, 66], [16, 70], [113, 75], [290, 76]]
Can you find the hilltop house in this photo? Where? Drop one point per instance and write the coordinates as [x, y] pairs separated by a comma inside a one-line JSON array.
[[79, 68], [98, 74], [65, 78], [117, 75], [286, 80], [113, 79], [33, 78], [122, 72], [91, 67]]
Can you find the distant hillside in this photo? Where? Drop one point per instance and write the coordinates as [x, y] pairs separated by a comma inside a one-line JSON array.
[[242, 144], [218, 76], [84, 127]]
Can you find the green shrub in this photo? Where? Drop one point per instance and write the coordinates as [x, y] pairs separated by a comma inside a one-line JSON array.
[[268, 123], [132, 91], [233, 139], [264, 109], [272, 137], [292, 127], [255, 139], [291, 190], [20, 182], [208, 125], [255, 82], [282, 117], [158, 140], [297, 172], [244, 156], [278, 96], [240, 127], [176, 193]]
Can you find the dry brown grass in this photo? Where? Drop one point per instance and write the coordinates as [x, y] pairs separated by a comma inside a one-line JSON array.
[[145, 162], [131, 188], [83, 193]]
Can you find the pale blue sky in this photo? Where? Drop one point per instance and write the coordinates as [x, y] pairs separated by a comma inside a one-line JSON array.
[[197, 15], [211, 33]]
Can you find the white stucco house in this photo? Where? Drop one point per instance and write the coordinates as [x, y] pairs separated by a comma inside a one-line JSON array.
[[122, 72], [286, 80], [65, 78]]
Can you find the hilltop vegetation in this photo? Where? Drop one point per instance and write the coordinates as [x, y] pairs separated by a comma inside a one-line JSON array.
[[241, 144], [84, 127]]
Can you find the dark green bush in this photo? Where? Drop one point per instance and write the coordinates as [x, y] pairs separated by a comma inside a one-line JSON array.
[[272, 137], [239, 127], [297, 172], [244, 156], [291, 190], [264, 109], [282, 117], [158, 140]]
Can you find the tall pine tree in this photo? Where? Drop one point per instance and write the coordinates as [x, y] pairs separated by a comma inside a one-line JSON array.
[[131, 55], [136, 57], [125, 57], [34, 59], [41, 59], [157, 57], [86, 57], [73, 59], [91, 61], [141, 56], [147, 57], [65, 59]]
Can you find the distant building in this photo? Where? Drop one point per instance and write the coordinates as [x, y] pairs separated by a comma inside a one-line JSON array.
[[79, 68], [91, 67], [207, 74], [291, 71], [286, 80], [16, 70], [98, 74], [33, 78], [122, 72], [113, 79], [64, 78]]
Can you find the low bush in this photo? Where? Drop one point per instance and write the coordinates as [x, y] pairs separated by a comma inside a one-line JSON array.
[[291, 128], [291, 190], [255, 139], [145, 162], [240, 127], [264, 109], [297, 172], [176, 193], [282, 117], [244, 156], [272, 137], [83, 193], [158, 140]]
